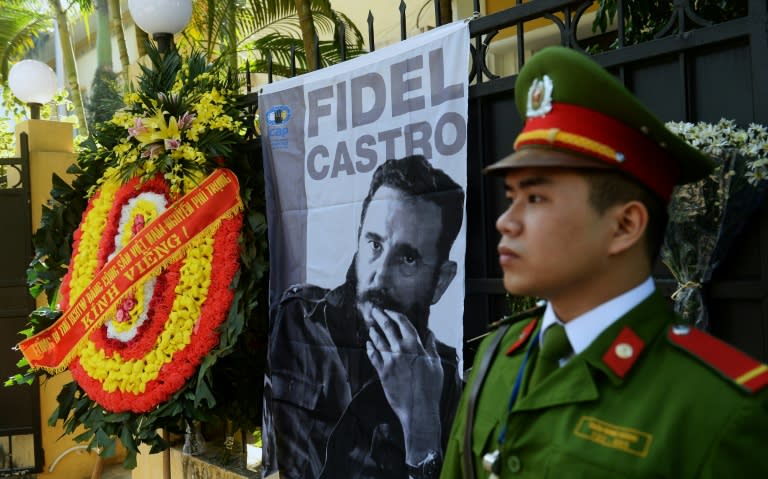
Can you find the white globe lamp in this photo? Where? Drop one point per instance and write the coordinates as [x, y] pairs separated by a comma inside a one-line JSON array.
[[34, 83], [161, 18]]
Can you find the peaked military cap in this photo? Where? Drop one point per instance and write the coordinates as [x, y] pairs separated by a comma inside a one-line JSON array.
[[571, 105]]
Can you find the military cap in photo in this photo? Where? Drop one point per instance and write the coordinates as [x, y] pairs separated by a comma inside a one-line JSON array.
[[571, 105]]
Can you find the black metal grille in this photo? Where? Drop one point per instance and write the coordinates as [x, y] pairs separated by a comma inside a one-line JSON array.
[[20, 440], [693, 69]]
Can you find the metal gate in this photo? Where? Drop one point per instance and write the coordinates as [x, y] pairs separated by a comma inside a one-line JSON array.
[[693, 71], [20, 435]]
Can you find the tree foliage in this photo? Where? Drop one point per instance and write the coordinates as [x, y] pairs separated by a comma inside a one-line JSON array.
[[250, 28], [20, 25]]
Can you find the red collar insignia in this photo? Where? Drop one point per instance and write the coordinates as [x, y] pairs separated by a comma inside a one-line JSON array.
[[523, 337], [623, 352]]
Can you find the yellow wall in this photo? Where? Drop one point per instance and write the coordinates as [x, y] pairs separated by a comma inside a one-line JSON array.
[[75, 464], [51, 151]]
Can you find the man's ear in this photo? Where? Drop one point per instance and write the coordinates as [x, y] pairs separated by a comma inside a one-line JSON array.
[[631, 222], [444, 278]]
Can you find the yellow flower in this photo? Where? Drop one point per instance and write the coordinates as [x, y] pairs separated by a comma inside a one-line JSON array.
[[177, 333], [123, 118], [131, 98], [123, 147], [84, 263]]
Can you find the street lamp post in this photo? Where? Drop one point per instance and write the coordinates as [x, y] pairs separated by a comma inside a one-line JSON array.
[[34, 83], [161, 19]]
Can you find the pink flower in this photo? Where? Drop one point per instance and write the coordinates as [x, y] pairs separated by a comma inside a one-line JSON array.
[[121, 316], [186, 120], [138, 128], [138, 224], [172, 143], [128, 304], [152, 151]]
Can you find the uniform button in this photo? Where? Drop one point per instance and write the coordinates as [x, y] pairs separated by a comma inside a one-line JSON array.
[[624, 350], [514, 464]]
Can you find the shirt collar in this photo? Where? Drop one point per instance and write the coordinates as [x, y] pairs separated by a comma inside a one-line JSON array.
[[582, 330]]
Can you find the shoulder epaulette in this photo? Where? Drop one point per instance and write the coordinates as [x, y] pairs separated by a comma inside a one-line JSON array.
[[537, 310], [732, 364], [509, 320]]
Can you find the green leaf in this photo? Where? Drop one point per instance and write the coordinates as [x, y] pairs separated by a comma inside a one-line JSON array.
[[126, 437], [130, 459], [66, 397], [85, 436]]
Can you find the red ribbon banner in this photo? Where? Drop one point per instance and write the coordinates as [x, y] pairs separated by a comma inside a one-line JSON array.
[[158, 244]]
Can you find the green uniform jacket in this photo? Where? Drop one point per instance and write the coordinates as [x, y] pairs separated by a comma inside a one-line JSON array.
[[644, 400]]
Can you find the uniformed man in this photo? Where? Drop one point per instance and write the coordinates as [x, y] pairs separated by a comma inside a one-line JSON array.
[[602, 382]]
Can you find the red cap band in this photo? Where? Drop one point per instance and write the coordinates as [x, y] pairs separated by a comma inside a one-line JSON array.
[[591, 133]]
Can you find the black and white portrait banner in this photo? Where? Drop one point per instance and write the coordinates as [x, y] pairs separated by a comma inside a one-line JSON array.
[[365, 170]]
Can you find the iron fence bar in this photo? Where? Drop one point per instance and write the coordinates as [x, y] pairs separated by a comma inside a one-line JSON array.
[[402, 20], [484, 55], [680, 16], [248, 85], [757, 25], [685, 80], [560, 24], [437, 13], [29, 252], [520, 33], [620, 26], [371, 43], [293, 60], [316, 42], [269, 66], [580, 11], [567, 31], [342, 41], [26, 188], [500, 85], [473, 68], [479, 59]]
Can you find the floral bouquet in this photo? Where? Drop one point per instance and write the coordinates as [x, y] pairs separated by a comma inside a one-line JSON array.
[[154, 294], [706, 216]]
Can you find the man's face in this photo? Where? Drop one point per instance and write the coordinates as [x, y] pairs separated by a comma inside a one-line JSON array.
[[553, 242], [397, 260]]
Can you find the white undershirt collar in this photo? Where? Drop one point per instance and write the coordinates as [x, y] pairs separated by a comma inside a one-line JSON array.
[[582, 330]]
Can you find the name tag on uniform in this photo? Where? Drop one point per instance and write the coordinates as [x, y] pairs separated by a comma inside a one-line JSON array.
[[612, 436]]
